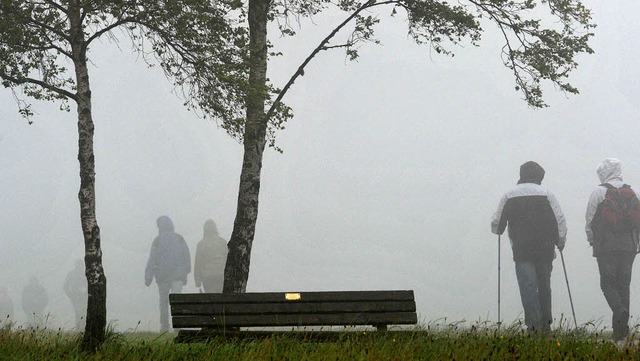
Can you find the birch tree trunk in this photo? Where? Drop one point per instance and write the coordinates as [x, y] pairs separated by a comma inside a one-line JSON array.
[[236, 271], [96, 321]]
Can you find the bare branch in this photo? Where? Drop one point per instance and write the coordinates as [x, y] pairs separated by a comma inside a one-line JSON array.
[[100, 32], [319, 48]]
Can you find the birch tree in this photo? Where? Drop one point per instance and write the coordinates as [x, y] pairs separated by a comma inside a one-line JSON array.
[[541, 41], [45, 55]]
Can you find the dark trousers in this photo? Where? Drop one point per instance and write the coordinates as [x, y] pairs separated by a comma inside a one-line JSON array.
[[615, 279]]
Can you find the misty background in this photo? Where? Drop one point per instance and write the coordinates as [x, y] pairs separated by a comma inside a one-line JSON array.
[[392, 168]]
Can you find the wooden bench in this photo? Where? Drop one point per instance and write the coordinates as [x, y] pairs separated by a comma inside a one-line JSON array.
[[226, 313]]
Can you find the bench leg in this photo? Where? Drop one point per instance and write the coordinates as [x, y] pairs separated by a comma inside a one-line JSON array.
[[381, 327]]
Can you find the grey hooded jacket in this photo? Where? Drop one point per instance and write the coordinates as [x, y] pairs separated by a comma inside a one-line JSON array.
[[211, 254]]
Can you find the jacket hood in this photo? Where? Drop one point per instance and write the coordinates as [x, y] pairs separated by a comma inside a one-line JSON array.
[[210, 228], [609, 169], [531, 172], [164, 224]]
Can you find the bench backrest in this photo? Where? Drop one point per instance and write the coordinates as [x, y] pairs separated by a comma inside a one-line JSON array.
[[218, 310]]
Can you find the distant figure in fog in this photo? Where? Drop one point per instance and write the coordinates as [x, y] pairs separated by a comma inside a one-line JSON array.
[[75, 287], [170, 263], [34, 300], [6, 305], [211, 256]]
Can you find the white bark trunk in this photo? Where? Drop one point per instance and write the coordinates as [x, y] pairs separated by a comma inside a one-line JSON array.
[[238, 260]]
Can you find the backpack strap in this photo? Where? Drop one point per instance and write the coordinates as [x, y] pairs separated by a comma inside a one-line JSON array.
[[607, 185]]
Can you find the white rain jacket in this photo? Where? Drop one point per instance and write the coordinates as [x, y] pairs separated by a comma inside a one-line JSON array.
[[609, 171], [535, 219]]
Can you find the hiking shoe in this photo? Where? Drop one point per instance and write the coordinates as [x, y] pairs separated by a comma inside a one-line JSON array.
[[620, 325]]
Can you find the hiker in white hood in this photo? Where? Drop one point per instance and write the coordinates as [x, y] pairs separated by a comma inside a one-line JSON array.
[[614, 248]]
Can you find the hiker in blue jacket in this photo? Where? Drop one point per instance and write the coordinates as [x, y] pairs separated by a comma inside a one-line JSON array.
[[170, 263], [536, 226], [615, 251]]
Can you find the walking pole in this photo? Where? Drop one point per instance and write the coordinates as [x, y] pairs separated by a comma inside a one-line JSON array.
[[499, 323], [573, 311]]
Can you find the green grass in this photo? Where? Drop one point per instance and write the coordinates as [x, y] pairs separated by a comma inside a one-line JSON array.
[[433, 342]]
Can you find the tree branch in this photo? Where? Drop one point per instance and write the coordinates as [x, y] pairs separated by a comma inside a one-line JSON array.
[[57, 6], [319, 48], [61, 34], [99, 33], [40, 83]]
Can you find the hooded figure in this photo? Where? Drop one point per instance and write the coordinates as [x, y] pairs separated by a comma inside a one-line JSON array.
[[614, 251], [6, 305], [536, 225], [211, 257], [531, 172], [34, 300], [169, 263], [75, 287]]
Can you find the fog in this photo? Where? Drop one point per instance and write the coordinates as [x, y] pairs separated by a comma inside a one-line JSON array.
[[392, 168]]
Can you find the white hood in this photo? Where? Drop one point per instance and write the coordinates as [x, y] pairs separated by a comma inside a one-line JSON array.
[[609, 169]]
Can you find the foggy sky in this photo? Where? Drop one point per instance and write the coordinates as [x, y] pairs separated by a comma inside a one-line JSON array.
[[391, 170]]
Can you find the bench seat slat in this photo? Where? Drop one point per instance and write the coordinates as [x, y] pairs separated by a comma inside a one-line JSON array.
[[325, 296], [336, 319], [183, 309]]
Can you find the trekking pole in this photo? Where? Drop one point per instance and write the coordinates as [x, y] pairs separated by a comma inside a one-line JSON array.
[[566, 278], [499, 323]]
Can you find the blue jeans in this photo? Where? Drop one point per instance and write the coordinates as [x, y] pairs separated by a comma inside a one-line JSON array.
[[534, 280]]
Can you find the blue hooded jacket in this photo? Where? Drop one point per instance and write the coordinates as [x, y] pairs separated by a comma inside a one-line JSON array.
[[169, 258]]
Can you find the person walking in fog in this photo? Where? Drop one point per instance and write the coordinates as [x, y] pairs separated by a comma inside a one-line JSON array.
[[34, 300], [169, 263], [75, 287], [536, 225], [211, 257], [6, 305], [613, 234]]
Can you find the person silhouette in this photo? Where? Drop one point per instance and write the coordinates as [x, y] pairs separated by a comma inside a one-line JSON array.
[[169, 263], [6, 305], [75, 287], [211, 257], [34, 300]]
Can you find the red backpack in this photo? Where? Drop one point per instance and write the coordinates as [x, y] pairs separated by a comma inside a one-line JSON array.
[[620, 209]]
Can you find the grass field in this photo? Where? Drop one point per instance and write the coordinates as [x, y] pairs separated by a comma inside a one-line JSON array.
[[448, 342]]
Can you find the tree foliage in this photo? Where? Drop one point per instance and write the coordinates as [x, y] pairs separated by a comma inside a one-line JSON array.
[[542, 39], [197, 44], [44, 55]]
